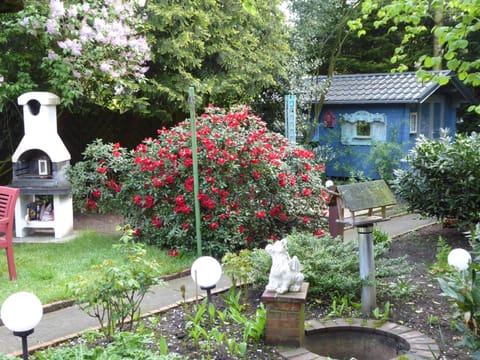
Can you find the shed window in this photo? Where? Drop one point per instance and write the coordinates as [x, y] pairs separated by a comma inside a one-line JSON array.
[[363, 129], [413, 122]]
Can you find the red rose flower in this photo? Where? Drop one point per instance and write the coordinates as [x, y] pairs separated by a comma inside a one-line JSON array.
[[319, 232], [137, 199], [261, 214], [307, 192]]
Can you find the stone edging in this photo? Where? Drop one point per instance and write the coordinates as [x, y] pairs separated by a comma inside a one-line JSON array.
[[421, 346], [66, 338], [62, 304]]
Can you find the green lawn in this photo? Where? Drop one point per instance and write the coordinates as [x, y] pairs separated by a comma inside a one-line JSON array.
[[45, 268]]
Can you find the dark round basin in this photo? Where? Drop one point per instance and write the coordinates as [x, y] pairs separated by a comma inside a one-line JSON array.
[[362, 343]]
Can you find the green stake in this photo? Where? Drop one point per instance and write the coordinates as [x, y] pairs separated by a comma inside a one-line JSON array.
[[191, 101]]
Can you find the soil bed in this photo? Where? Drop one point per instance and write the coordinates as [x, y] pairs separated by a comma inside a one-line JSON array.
[[424, 309]]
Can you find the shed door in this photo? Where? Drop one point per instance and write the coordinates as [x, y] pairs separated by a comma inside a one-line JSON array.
[[432, 117]]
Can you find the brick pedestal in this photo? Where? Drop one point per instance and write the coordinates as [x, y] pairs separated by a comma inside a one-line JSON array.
[[285, 317]]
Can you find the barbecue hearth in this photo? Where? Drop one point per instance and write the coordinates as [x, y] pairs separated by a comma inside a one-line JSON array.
[[40, 165]]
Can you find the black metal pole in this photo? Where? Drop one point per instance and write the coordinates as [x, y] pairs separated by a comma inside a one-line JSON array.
[[24, 335], [209, 292]]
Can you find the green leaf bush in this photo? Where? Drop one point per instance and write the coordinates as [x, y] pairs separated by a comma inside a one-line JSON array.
[[443, 177], [331, 267], [114, 295], [254, 185]]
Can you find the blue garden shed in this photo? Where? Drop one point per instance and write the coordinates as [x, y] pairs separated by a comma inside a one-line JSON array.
[[364, 110]]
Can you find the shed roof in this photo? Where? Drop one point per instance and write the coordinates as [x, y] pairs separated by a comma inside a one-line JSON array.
[[387, 88]]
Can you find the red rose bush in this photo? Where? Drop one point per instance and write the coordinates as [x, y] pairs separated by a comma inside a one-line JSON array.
[[254, 186]]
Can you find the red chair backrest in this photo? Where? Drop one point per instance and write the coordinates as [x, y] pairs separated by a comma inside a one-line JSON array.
[[8, 199]]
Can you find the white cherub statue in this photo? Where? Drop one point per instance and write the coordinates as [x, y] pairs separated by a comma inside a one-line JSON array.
[[285, 273]]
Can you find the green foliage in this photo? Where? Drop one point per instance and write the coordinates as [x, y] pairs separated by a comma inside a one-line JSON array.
[[319, 32], [399, 289], [343, 307], [125, 345], [331, 267], [386, 158], [114, 295], [261, 264], [206, 334], [442, 177], [84, 175], [462, 289], [380, 315], [454, 33], [381, 238], [433, 320], [90, 50], [441, 265], [253, 184], [239, 268], [47, 268], [227, 52]]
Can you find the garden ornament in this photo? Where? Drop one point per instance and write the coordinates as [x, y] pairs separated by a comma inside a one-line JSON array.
[[285, 273]]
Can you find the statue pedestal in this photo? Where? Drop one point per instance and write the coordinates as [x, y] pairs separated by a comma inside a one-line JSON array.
[[285, 317]]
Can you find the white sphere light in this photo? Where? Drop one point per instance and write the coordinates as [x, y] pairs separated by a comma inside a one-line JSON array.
[[206, 271], [21, 311], [459, 259]]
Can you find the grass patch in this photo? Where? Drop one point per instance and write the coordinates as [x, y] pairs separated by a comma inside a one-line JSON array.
[[45, 269]]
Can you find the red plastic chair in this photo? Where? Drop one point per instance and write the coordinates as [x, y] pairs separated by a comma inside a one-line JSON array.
[[8, 199]]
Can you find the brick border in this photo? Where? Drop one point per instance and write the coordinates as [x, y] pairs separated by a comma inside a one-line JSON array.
[[421, 346]]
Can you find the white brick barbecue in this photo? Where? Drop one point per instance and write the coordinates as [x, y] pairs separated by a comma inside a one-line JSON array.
[[40, 165]]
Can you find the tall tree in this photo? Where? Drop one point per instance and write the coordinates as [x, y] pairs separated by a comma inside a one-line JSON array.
[[229, 51], [320, 31], [455, 24], [77, 49]]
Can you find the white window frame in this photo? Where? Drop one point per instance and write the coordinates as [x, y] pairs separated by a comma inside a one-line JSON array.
[[349, 133], [42, 167], [413, 122]]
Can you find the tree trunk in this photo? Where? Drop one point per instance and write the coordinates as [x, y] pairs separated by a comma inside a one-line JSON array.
[[438, 20]]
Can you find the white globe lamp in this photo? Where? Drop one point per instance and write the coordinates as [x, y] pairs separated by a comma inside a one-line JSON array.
[[459, 259], [206, 271], [20, 313]]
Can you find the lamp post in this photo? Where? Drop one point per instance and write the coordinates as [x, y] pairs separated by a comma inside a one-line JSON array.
[[206, 271], [459, 259], [20, 313]]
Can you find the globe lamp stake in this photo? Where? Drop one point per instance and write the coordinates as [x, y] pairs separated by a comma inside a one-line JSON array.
[[20, 313], [206, 271], [24, 335]]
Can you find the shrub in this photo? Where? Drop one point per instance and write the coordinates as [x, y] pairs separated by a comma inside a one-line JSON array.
[[114, 295], [126, 345], [462, 289], [442, 179], [330, 266], [386, 157], [253, 184]]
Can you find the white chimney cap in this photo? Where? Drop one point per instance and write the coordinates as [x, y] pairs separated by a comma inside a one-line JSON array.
[[43, 97]]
